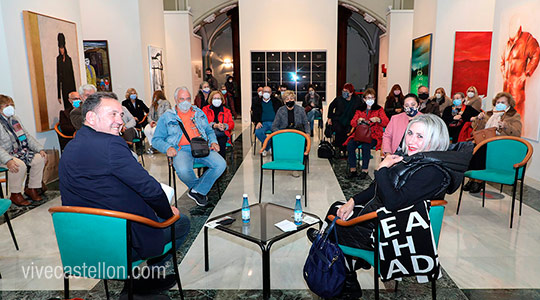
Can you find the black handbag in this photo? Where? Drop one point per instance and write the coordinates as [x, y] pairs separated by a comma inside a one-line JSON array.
[[199, 146], [325, 150]]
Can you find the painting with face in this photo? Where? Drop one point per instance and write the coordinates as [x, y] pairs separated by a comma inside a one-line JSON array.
[[97, 66], [53, 55]]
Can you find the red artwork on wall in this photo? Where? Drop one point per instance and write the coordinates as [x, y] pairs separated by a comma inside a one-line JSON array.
[[471, 61]]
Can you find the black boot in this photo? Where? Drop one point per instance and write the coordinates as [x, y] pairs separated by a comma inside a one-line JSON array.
[[467, 187], [476, 187], [351, 287]]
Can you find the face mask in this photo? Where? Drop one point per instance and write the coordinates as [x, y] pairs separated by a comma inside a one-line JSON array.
[[282, 92], [216, 102], [345, 95], [132, 96], [370, 102], [423, 96], [457, 102], [289, 104], [208, 76], [206, 90], [260, 94], [470, 94], [76, 103], [498, 107], [184, 106], [9, 111], [224, 92], [266, 96], [312, 92], [411, 111], [438, 96], [397, 92], [230, 80]]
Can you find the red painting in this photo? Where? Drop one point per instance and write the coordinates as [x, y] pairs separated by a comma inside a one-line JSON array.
[[471, 61]]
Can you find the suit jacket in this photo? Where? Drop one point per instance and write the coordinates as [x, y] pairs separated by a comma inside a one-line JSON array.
[[98, 170]]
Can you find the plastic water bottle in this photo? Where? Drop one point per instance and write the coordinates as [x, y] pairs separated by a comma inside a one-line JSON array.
[[245, 209], [298, 210]]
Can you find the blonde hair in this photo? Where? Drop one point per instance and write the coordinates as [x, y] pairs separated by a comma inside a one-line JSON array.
[[289, 95], [129, 91], [213, 93], [436, 137]]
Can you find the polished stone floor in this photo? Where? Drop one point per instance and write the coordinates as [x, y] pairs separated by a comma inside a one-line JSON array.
[[482, 258]]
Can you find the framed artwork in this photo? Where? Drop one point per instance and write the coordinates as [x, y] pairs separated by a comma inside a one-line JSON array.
[[97, 66], [471, 61], [155, 55], [53, 59], [420, 62]]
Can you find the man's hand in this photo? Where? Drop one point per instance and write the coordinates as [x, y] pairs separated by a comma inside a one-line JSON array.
[[12, 166], [153, 124], [175, 211], [43, 154], [171, 152], [390, 160], [345, 210], [136, 119], [214, 146], [221, 126], [258, 126], [60, 100]]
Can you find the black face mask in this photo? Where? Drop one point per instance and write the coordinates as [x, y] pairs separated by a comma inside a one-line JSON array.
[[423, 96], [289, 104], [208, 75]]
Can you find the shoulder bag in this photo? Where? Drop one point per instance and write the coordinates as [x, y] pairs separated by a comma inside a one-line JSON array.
[[362, 133], [484, 134], [199, 146]]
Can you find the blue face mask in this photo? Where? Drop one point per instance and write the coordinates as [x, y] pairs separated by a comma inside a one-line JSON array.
[[224, 92], [132, 96], [76, 103], [345, 95], [457, 102], [500, 107], [184, 106]]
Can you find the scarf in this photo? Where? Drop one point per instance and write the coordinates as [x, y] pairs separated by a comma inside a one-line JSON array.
[[19, 142], [493, 121]]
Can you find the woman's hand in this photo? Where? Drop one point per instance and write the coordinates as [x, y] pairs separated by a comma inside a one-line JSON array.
[[501, 125], [330, 122], [375, 120], [389, 161], [43, 154], [345, 210], [12, 166], [457, 117], [398, 110], [480, 116], [360, 120], [153, 124]]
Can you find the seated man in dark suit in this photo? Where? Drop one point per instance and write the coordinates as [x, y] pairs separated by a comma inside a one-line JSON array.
[[64, 123], [97, 170]]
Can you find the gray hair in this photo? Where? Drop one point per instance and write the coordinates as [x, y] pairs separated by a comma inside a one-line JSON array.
[[436, 136], [202, 83], [86, 87], [178, 89], [93, 102], [461, 94]]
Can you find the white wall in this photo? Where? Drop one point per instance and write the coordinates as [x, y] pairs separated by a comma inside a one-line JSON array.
[[400, 27], [15, 78], [382, 89], [281, 32], [197, 71]]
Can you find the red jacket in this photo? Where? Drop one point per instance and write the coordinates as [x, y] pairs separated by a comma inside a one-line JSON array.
[[376, 128], [224, 117]]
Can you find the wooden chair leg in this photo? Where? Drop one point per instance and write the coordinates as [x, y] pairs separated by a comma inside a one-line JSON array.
[[460, 195], [11, 230]]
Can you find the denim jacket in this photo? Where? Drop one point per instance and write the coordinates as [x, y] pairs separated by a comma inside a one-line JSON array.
[[168, 133]]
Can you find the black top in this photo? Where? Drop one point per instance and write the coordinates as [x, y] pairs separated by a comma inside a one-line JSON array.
[[290, 118], [391, 104], [468, 113], [216, 110], [337, 111], [138, 109]]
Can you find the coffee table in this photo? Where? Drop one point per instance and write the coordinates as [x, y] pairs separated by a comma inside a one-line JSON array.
[[260, 230]]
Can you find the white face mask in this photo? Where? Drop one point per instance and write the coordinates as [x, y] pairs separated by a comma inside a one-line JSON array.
[[470, 94], [266, 96], [260, 93], [370, 102], [438, 96], [216, 102], [9, 111]]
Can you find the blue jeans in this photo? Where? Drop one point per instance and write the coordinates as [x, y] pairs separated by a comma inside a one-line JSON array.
[[183, 163], [366, 153], [261, 132], [311, 115]]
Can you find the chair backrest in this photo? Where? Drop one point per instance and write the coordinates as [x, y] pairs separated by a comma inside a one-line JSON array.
[[92, 241], [436, 214], [503, 153], [288, 146]]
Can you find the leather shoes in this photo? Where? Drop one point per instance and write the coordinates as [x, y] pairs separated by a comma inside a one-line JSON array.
[[312, 234], [476, 187], [33, 194], [19, 200]]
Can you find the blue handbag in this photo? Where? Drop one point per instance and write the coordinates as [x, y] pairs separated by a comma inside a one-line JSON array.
[[324, 270]]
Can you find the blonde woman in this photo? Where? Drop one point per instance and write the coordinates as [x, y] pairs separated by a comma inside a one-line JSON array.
[[136, 107]]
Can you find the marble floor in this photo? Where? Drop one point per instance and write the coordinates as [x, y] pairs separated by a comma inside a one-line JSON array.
[[481, 256]]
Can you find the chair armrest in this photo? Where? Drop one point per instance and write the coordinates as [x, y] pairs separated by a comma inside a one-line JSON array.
[[114, 214], [143, 119], [57, 129]]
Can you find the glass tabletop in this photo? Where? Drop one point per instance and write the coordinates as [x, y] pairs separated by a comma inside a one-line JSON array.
[[261, 227]]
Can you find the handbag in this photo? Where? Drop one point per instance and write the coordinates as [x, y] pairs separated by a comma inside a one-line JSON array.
[[199, 146], [325, 150], [484, 134], [324, 270], [362, 133]]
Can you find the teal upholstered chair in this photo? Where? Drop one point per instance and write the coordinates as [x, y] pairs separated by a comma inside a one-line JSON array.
[[5, 179], [4, 206], [100, 238], [436, 214], [506, 160], [290, 150], [172, 177]]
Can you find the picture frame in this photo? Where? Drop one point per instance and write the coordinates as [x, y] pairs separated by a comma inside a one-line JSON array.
[[97, 64], [420, 62]]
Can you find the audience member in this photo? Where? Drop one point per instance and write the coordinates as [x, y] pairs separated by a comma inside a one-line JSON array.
[[313, 106], [232, 88], [159, 105], [341, 112], [18, 151], [212, 81], [441, 98], [263, 114], [228, 100], [75, 115], [394, 101], [64, 122], [128, 131], [170, 139], [425, 170], [279, 94], [394, 132], [220, 119], [136, 107], [291, 116], [427, 106], [201, 100], [97, 170], [457, 115], [371, 114], [472, 99]]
